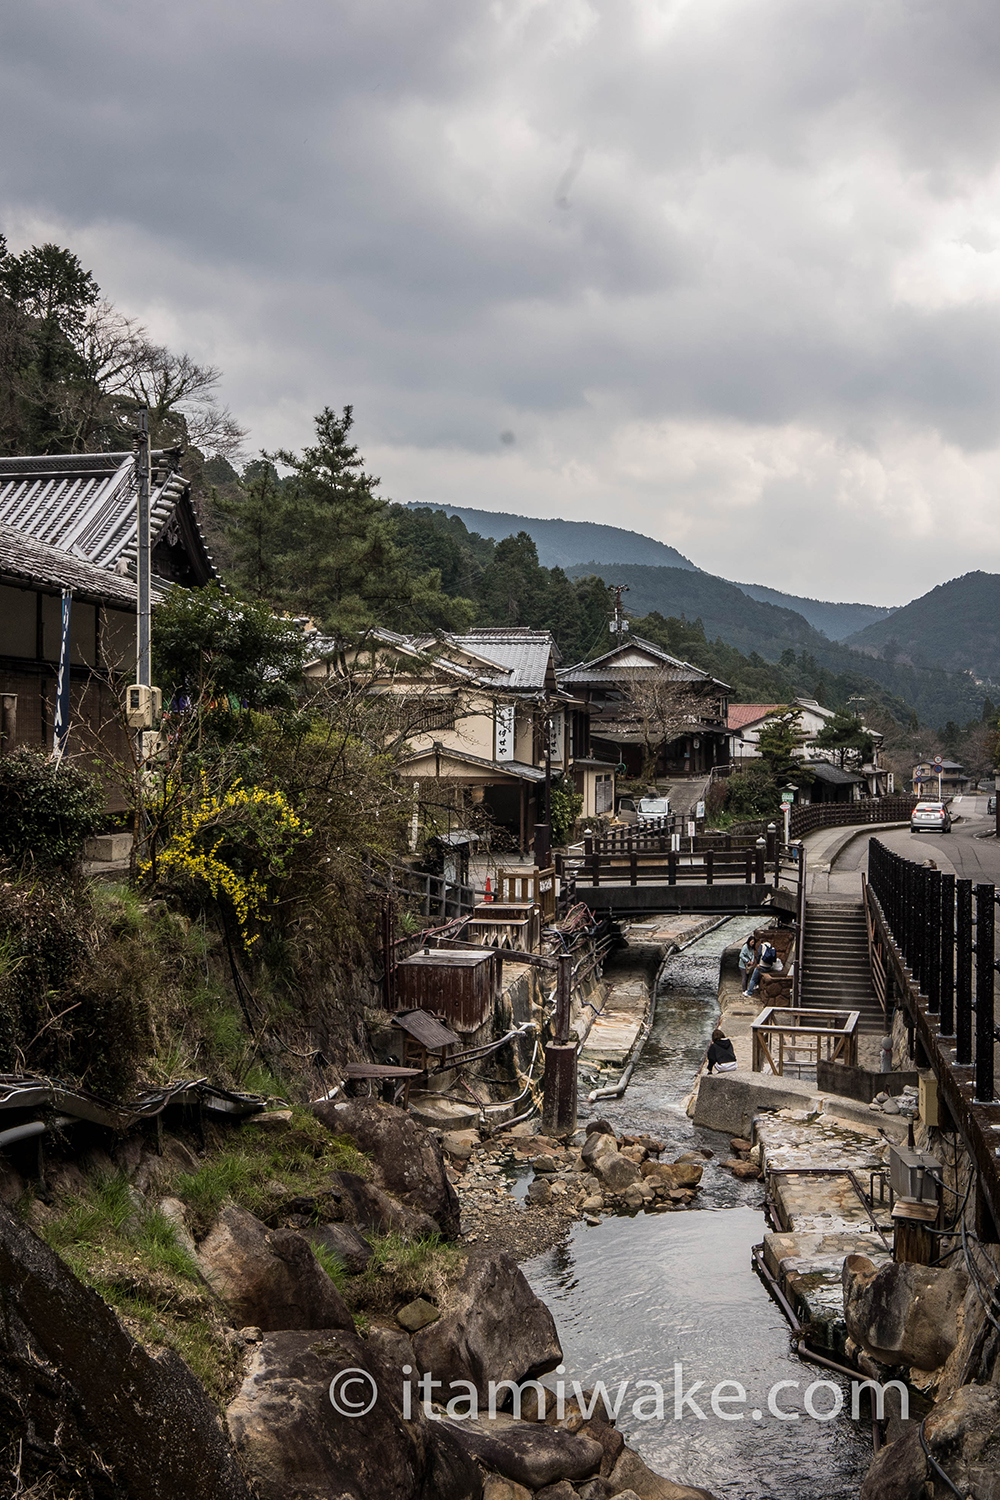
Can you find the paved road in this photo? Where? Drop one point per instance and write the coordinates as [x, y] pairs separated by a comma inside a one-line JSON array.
[[959, 852]]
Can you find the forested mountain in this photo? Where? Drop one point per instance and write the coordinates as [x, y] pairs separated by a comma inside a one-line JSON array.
[[837, 621], [779, 634], [561, 544], [569, 544], [956, 625]]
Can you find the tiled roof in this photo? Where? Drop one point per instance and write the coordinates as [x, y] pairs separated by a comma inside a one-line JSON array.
[[628, 657], [84, 503], [524, 655], [23, 558], [742, 714], [832, 775]]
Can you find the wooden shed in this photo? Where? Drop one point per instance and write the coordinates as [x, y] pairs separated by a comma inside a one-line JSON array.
[[460, 985], [425, 1038]]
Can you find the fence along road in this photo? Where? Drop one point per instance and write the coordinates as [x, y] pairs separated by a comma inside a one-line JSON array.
[[934, 935]]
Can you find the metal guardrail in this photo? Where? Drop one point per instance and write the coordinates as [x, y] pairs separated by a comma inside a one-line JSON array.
[[944, 928]]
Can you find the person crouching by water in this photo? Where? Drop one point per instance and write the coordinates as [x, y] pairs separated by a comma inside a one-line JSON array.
[[747, 953], [721, 1054]]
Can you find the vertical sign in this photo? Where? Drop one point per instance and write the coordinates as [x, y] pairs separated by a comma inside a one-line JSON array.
[[556, 737], [62, 687], [503, 731]]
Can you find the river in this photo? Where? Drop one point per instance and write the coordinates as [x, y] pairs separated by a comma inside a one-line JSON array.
[[633, 1297]]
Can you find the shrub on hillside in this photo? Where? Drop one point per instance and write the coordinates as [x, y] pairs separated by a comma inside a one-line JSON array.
[[49, 810]]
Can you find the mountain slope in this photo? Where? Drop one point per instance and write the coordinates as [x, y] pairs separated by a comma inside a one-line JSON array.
[[568, 544], [726, 611], [956, 625], [837, 621], [562, 543]]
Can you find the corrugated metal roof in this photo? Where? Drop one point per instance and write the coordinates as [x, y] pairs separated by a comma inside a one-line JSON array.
[[426, 1029], [35, 562], [84, 503], [523, 654]]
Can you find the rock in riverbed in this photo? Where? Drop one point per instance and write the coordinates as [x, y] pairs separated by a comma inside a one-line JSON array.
[[407, 1156], [269, 1278]]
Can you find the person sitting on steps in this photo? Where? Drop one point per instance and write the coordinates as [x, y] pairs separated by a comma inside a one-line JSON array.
[[746, 960], [721, 1053], [768, 962]]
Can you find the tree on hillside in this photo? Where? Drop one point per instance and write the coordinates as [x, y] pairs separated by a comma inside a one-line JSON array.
[[847, 735], [342, 564], [779, 744]]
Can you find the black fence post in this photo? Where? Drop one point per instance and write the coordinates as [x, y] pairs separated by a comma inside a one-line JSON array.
[[947, 990], [963, 973], [932, 927], [985, 898]]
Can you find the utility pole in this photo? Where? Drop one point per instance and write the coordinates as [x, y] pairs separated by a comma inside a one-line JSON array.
[[143, 667], [619, 625]]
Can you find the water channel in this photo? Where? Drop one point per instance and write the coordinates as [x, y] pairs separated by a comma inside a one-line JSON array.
[[632, 1297]]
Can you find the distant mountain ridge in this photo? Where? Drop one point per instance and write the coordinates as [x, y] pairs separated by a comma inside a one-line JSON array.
[[562, 543], [570, 544], [955, 625]]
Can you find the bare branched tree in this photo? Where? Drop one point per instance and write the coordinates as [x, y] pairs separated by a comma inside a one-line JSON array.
[[658, 706], [180, 396]]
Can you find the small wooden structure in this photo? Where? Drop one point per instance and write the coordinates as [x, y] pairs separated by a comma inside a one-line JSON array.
[[461, 985], [787, 1040], [506, 924], [913, 1226], [393, 1083], [424, 1038], [533, 885]]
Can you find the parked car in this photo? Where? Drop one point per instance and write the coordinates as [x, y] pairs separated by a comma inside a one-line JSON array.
[[625, 810], [930, 817], [652, 809]]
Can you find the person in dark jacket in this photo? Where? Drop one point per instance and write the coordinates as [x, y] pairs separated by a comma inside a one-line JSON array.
[[721, 1053]]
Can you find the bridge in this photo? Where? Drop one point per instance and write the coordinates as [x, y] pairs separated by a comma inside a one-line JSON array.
[[627, 871]]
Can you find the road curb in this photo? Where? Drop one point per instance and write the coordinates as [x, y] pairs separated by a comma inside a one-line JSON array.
[[849, 835]]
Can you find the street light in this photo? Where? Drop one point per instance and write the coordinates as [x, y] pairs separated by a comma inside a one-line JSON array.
[[787, 798]]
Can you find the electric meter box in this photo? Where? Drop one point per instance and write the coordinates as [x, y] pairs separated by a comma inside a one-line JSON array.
[[912, 1175], [143, 706]]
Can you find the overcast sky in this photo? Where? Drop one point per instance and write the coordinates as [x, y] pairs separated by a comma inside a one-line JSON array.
[[726, 272]]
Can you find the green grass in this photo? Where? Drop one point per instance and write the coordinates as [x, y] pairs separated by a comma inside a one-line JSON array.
[[130, 1254], [258, 1170], [333, 1266], [402, 1269]]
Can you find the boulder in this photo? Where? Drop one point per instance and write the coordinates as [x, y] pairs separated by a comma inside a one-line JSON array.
[[350, 1248], [539, 1192], [495, 1487], [417, 1314], [544, 1164], [898, 1471], [597, 1145], [530, 1453], [82, 1391], [599, 1489], [901, 1313], [269, 1278], [562, 1490], [687, 1173], [615, 1171], [364, 1205], [599, 1127], [296, 1444], [460, 1143], [407, 1157], [747, 1170], [630, 1473], [492, 1327]]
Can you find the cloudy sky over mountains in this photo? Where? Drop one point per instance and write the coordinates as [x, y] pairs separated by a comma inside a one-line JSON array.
[[723, 271]]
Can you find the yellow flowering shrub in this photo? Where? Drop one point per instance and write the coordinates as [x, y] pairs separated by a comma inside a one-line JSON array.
[[230, 844]]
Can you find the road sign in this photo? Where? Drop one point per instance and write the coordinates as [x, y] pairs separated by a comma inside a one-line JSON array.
[[938, 761]]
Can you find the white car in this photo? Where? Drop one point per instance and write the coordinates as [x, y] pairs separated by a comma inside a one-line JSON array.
[[930, 817], [652, 809]]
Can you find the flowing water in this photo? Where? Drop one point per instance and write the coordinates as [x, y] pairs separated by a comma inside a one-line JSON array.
[[635, 1297]]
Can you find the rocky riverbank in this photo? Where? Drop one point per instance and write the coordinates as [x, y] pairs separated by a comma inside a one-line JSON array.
[[317, 1272]]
